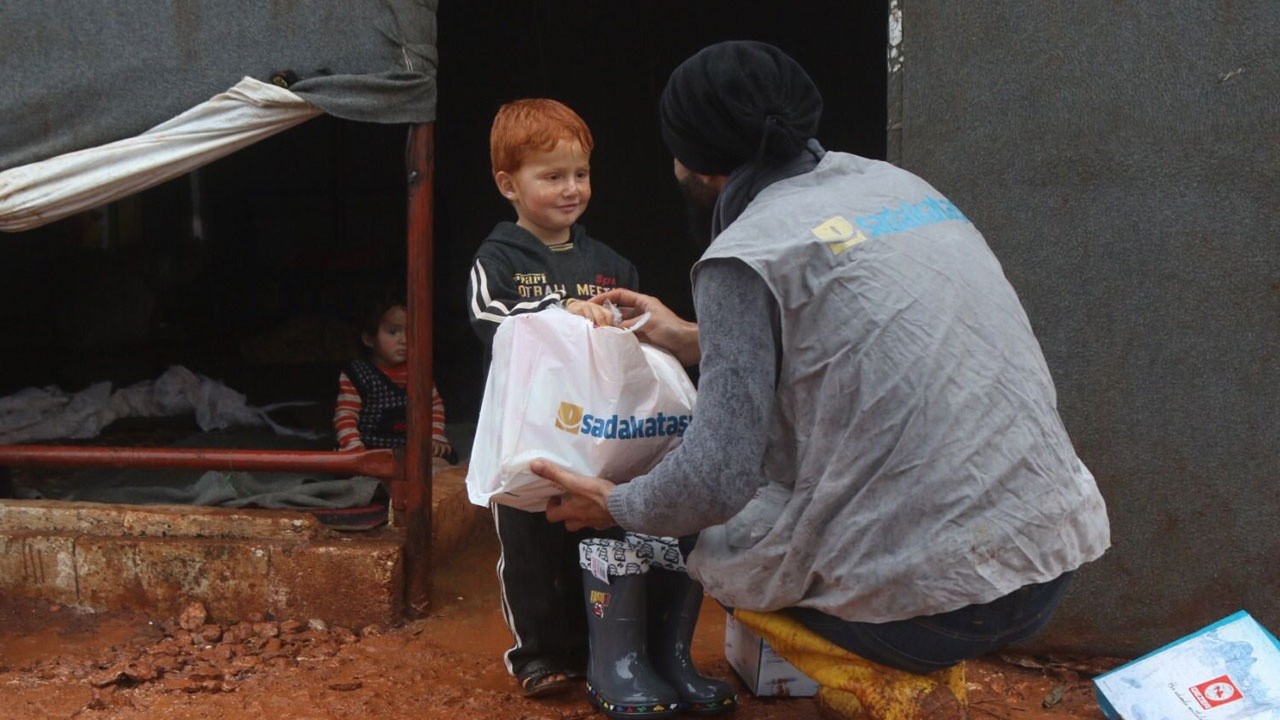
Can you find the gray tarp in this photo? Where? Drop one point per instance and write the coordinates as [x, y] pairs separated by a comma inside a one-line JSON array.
[[82, 74]]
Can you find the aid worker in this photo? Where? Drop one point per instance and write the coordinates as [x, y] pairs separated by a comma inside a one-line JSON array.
[[877, 469]]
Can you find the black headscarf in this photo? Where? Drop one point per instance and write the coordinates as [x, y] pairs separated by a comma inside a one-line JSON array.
[[735, 103]]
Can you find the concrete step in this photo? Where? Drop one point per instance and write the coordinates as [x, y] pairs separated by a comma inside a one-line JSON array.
[[156, 559]]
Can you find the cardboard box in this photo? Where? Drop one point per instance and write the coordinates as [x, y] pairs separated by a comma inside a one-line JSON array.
[[765, 673], [1229, 670]]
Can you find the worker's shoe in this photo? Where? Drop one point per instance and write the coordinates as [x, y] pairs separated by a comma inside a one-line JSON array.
[[854, 687], [621, 682], [675, 600]]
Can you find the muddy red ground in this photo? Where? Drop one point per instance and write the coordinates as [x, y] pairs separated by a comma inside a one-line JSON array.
[[58, 663]]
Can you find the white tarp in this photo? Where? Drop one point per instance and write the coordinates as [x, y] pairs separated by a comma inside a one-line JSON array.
[[41, 192], [49, 413]]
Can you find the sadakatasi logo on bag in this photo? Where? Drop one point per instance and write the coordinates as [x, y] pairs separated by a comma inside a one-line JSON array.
[[568, 417], [1215, 692], [575, 419]]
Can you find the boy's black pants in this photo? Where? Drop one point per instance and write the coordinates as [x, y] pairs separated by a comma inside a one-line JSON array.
[[541, 585]]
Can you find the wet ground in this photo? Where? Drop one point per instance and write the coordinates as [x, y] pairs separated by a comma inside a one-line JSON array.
[[59, 663]]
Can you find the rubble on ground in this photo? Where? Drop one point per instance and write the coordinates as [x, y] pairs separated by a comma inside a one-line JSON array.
[[192, 654]]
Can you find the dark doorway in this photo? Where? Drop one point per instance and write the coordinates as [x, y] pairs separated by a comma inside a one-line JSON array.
[[609, 61]]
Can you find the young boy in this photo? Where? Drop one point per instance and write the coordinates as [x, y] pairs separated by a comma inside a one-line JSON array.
[[541, 152], [371, 405]]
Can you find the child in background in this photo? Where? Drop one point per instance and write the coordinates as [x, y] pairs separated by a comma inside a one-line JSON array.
[[372, 398], [540, 152]]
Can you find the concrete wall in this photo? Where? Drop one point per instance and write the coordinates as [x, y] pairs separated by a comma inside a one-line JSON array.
[[1123, 160], [156, 559]]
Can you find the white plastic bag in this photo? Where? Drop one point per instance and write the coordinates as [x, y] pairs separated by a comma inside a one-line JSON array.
[[594, 400]]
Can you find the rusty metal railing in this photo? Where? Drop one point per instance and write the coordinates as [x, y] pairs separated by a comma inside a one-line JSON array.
[[373, 463]]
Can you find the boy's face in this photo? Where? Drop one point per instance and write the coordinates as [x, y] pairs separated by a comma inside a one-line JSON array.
[[550, 190], [390, 346]]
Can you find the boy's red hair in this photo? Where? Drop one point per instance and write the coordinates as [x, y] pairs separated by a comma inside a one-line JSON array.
[[533, 125]]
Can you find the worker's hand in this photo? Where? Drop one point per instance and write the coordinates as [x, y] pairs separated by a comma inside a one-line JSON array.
[[585, 502], [600, 315], [664, 328]]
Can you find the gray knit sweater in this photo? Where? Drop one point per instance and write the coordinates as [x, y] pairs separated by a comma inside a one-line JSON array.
[[716, 470]]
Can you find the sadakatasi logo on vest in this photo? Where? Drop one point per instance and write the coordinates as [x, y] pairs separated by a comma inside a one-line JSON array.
[[575, 419]]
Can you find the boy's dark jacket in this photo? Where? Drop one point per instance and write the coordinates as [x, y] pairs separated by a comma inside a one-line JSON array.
[[515, 273]]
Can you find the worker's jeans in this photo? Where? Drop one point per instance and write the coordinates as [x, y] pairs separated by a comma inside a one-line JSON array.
[[934, 642]]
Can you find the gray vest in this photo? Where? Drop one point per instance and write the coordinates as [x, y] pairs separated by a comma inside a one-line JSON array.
[[916, 461]]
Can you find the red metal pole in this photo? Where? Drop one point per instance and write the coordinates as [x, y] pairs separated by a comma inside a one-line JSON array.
[[415, 490], [374, 463]]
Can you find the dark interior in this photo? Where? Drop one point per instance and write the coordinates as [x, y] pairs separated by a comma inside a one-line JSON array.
[[250, 271]]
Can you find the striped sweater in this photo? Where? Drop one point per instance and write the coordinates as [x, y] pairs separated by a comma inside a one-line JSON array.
[[346, 416]]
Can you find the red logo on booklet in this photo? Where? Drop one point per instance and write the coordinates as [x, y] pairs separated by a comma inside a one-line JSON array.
[[1215, 692]]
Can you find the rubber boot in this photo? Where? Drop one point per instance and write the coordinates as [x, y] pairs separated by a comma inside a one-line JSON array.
[[675, 600], [621, 683], [856, 688]]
